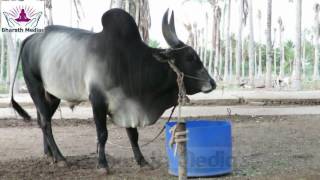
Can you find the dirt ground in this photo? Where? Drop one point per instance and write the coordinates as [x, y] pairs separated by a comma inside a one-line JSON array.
[[264, 147]]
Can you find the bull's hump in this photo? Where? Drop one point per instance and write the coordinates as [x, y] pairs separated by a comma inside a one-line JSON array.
[[120, 25]]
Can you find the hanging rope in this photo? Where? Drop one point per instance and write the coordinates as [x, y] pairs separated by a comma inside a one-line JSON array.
[[182, 100], [179, 132]]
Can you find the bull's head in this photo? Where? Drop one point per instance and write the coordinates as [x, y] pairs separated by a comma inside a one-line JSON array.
[[197, 78]]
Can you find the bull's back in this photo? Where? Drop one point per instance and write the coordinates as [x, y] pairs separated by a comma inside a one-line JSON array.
[[62, 57]]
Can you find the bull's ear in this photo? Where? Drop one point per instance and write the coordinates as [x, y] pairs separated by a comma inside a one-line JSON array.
[[163, 56]]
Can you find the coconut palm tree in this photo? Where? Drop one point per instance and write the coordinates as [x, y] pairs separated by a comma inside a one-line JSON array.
[[205, 59], [231, 59], [139, 9], [274, 52], [143, 18], [12, 58], [316, 41], [48, 5], [79, 11], [260, 50], [214, 24], [243, 12], [251, 45], [268, 48], [282, 61], [195, 41], [296, 74], [116, 4], [228, 39], [217, 41]]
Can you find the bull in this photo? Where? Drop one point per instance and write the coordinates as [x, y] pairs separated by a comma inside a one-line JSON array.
[[114, 70]]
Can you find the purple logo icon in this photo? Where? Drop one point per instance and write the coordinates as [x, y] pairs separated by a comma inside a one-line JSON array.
[[22, 17]]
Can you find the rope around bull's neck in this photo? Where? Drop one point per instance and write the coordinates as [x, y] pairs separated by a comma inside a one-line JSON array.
[[182, 95]]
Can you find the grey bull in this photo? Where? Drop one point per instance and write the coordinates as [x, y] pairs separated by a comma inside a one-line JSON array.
[[114, 69]]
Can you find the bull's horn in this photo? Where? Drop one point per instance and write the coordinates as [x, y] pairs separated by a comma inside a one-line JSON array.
[[168, 30]]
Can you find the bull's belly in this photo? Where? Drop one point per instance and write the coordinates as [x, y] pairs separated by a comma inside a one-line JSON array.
[[127, 112], [67, 92]]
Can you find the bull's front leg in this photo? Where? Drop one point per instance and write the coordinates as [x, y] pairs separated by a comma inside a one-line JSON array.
[[99, 107], [134, 137]]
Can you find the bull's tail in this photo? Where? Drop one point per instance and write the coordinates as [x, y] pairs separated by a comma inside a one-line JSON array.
[[20, 110], [14, 104]]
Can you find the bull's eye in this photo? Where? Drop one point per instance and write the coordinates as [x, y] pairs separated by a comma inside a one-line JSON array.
[[190, 59]]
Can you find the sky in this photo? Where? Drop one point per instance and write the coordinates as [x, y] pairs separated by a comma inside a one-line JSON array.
[[190, 12]]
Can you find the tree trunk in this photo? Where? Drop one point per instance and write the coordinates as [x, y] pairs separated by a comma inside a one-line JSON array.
[[260, 45], [210, 65], [222, 40], [190, 40], [194, 29], [206, 42], [217, 57], [268, 48], [220, 61], [239, 42], [303, 58], [316, 62], [274, 53], [251, 46], [282, 61], [255, 63], [243, 71], [231, 61], [2, 51], [203, 42], [12, 60], [79, 11], [227, 51], [2, 57], [116, 4], [316, 42], [139, 9], [144, 19], [215, 26], [48, 5], [199, 44], [296, 76], [275, 62]]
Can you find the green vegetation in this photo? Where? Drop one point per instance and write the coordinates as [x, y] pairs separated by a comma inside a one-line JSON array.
[[153, 43]]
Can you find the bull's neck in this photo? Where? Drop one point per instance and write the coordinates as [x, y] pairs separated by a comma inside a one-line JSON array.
[[168, 88]]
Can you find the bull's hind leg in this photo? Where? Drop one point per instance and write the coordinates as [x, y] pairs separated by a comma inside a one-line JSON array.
[[134, 137], [46, 148], [99, 108], [46, 105], [54, 103]]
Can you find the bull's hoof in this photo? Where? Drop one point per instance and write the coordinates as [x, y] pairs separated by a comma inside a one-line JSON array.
[[143, 163], [48, 156], [62, 163], [145, 166], [103, 171]]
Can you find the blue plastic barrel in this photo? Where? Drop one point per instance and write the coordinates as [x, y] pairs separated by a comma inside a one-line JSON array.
[[209, 148]]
